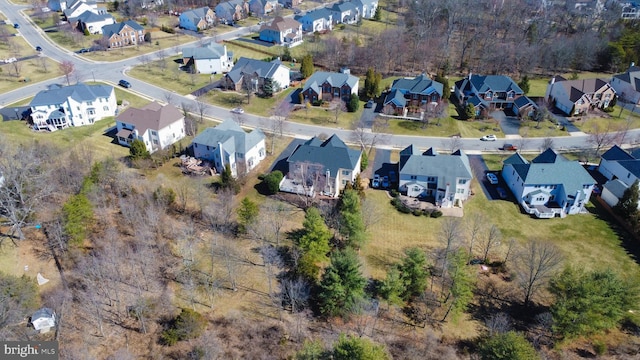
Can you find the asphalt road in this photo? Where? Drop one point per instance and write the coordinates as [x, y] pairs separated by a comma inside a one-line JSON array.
[[112, 72]]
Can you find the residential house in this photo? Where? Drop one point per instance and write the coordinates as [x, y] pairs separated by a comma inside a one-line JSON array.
[[75, 105], [412, 95], [444, 177], [74, 8], [229, 144], [344, 13], [229, 12], [326, 86], [260, 8], [289, 3], [197, 19], [57, 5], [575, 97], [630, 11], [158, 126], [123, 34], [613, 191], [251, 73], [366, 8], [43, 320], [319, 20], [210, 58], [549, 185], [627, 84], [92, 22], [622, 169], [321, 167], [282, 31], [492, 92]]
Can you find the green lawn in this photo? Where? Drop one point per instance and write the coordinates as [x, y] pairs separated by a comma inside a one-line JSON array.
[[15, 75], [258, 105], [320, 116], [537, 87], [170, 76]]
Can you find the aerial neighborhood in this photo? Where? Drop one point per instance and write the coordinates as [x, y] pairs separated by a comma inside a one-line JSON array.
[[352, 179]]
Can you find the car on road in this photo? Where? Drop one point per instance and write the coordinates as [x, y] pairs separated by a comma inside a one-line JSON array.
[[489, 138], [502, 193], [385, 182], [38, 48], [237, 110], [369, 104], [297, 11], [83, 50], [493, 179], [124, 84], [16, 26], [509, 147], [10, 60], [375, 183]]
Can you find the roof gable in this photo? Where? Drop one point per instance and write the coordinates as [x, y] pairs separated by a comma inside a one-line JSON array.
[[617, 153], [152, 116], [420, 84], [448, 167], [333, 154], [232, 137], [79, 92]]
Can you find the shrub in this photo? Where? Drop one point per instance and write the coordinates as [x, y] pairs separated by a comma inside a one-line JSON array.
[[138, 150], [426, 212], [394, 193], [417, 212], [119, 102], [600, 348], [436, 214], [187, 325], [272, 182], [608, 109]]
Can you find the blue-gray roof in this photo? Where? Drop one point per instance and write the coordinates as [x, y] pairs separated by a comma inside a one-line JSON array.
[[334, 79], [495, 83], [447, 167], [244, 65], [396, 97], [344, 6], [420, 84], [333, 154], [231, 136], [313, 15], [78, 92], [523, 101], [90, 17], [551, 168], [211, 50], [616, 187], [109, 30], [632, 166], [196, 14], [617, 153]]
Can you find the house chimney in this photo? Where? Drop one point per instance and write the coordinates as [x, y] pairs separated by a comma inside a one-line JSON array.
[[345, 70], [553, 80], [632, 64], [470, 74]]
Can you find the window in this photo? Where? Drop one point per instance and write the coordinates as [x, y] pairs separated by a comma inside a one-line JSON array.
[[462, 181], [89, 103], [460, 191], [431, 179], [345, 172], [413, 177], [155, 141], [154, 133]]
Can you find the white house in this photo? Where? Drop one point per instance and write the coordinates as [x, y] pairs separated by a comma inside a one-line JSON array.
[[366, 8], [229, 144], [93, 22], [197, 19], [344, 13], [622, 169], [282, 31], [158, 126], [43, 320], [76, 105], [316, 20], [627, 85], [210, 58], [76, 8], [321, 167], [549, 185], [444, 177], [613, 191]]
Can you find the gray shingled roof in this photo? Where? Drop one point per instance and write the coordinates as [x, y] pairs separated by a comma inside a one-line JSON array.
[[244, 65], [344, 6], [447, 167], [196, 14], [578, 88], [500, 83], [335, 79], [231, 136], [281, 24], [210, 50], [617, 153], [421, 84], [396, 97], [152, 116], [109, 30], [78, 92], [90, 17], [333, 154], [632, 76], [313, 15], [616, 187]]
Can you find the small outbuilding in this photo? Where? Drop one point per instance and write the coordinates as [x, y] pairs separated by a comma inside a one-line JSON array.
[[43, 320]]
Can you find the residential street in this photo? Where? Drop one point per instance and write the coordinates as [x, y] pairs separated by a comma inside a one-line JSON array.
[[112, 72]]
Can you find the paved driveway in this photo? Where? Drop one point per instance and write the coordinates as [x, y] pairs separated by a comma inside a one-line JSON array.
[[480, 170], [382, 162], [510, 125]]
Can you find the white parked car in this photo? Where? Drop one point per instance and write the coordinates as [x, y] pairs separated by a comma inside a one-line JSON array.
[[489, 138], [10, 60], [237, 110], [493, 179]]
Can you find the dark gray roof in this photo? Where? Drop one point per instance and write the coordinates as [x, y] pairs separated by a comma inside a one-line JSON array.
[[616, 187], [335, 79], [633, 166], [233, 138], [244, 65], [515, 159], [313, 15], [482, 84], [109, 30], [196, 14], [344, 6], [632, 76], [617, 153], [42, 313], [78, 92], [396, 97], [447, 167], [90, 17], [523, 101], [211, 50], [421, 84], [333, 154], [549, 156]]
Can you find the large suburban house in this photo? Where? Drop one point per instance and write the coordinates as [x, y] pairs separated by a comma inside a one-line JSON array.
[[282, 31], [158, 126], [627, 84], [326, 86], [261, 8], [344, 12], [492, 92], [229, 144], [366, 8], [549, 185], [197, 19], [321, 167], [210, 58], [444, 177], [92, 22], [73, 9], [319, 20], [574, 97], [621, 169], [123, 34], [229, 12], [251, 73], [412, 95], [75, 105]]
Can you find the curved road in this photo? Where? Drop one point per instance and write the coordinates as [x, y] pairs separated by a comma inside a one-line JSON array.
[[112, 72]]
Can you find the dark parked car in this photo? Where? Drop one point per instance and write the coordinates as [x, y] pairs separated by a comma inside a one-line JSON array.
[[369, 104], [16, 26], [502, 193], [38, 48], [124, 84]]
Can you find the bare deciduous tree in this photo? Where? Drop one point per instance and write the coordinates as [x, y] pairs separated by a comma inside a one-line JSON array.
[[536, 263], [67, 68], [489, 241]]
